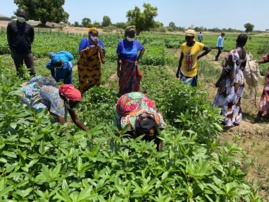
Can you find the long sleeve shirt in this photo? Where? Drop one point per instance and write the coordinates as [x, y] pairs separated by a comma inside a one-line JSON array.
[[20, 37], [220, 41]]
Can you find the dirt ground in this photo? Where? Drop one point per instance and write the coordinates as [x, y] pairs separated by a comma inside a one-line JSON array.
[[252, 137]]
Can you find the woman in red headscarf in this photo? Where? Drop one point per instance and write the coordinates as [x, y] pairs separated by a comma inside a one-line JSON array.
[[41, 92]]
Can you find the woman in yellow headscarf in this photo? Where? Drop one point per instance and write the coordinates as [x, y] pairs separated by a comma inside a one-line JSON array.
[[92, 54]]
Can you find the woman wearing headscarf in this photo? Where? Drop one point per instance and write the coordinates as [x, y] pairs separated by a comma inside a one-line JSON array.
[[62, 62], [231, 84], [140, 115], [42, 93], [127, 63], [91, 56]]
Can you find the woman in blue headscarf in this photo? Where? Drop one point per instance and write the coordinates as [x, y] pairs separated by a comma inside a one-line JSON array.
[[63, 62]]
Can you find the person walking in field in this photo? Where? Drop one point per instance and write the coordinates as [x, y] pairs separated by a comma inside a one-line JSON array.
[[136, 111], [61, 65], [20, 36], [219, 45], [231, 84], [200, 37], [188, 62], [91, 56], [264, 101], [43, 93], [129, 52]]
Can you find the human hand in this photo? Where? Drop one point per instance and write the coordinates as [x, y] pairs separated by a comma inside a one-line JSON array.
[[118, 73], [177, 75], [217, 84], [100, 48]]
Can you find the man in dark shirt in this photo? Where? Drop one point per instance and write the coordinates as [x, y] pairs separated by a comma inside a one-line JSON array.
[[20, 36]]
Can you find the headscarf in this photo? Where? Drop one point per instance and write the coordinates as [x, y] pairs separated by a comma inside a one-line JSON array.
[[144, 125], [92, 29], [129, 29], [57, 57], [70, 92], [190, 32]]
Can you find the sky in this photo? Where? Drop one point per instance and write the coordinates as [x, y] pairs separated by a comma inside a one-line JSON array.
[[203, 13]]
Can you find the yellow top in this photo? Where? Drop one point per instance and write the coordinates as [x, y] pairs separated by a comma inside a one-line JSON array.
[[189, 64]]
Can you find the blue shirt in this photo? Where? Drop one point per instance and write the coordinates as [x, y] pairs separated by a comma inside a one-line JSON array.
[[66, 70], [86, 43], [220, 41], [128, 50]]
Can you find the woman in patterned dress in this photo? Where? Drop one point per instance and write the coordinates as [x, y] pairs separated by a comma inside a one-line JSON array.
[[91, 56], [139, 114], [127, 65], [231, 84], [264, 101], [42, 93]]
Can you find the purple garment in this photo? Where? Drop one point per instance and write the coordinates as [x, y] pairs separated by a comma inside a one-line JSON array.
[[128, 50]]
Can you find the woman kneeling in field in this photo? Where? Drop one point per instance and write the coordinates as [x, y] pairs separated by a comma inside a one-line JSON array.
[[41, 92], [137, 111]]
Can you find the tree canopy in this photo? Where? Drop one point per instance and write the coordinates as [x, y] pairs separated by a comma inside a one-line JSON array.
[[86, 22], [143, 21], [249, 27], [44, 10], [106, 21]]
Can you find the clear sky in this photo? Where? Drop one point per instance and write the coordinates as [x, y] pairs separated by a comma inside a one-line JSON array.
[[201, 13]]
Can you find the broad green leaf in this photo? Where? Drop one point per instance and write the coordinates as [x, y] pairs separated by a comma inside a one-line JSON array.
[[10, 154]]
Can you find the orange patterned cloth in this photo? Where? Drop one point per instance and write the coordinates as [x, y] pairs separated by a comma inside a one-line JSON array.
[[131, 105], [89, 65]]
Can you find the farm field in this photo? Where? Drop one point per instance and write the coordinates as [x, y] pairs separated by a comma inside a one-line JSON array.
[[201, 161]]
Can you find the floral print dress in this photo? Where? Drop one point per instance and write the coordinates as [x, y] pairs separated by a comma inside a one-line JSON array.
[[131, 105], [42, 93], [230, 91], [264, 102]]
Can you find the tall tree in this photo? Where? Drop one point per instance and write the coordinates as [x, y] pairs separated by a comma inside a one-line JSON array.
[[249, 27], [143, 21], [44, 10], [172, 24], [106, 21], [86, 22]]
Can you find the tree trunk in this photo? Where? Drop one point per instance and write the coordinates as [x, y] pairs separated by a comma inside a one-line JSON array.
[[43, 23]]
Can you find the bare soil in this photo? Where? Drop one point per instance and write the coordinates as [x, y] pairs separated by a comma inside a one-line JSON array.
[[252, 137]]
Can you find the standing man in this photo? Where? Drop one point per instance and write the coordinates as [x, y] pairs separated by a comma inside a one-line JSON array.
[[20, 36], [219, 45], [188, 61], [200, 37]]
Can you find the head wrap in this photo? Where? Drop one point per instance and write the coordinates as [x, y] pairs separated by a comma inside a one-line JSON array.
[[52, 54], [70, 92], [190, 32], [92, 29], [144, 125], [129, 29]]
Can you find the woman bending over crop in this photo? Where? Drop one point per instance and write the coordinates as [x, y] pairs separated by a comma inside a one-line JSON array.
[[231, 84], [41, 92], [127, 64], [137, 112], [91, 56]]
